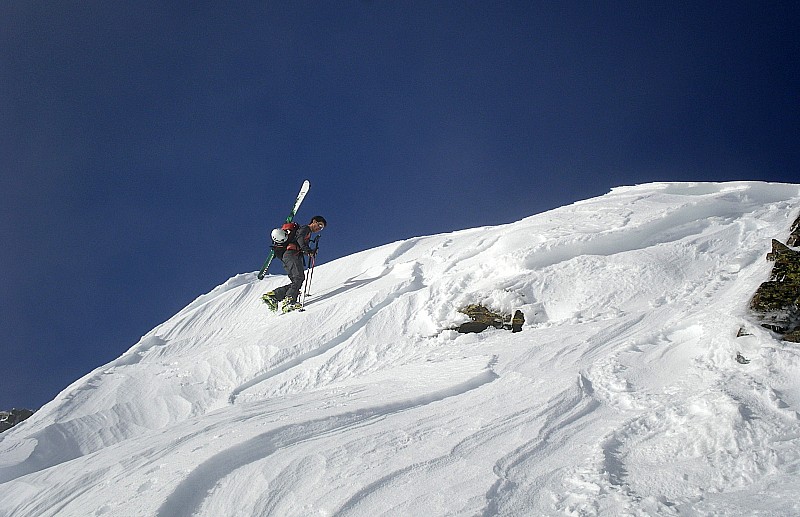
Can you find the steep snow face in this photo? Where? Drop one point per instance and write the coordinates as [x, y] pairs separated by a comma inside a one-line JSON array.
[[620, 396]]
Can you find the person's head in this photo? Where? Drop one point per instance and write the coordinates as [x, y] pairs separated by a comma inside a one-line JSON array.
[[318, 223]]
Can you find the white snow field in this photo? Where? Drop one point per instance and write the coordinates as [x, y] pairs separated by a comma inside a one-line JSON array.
[[621, 395]]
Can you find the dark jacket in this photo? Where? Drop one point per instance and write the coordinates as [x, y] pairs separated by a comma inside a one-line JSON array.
[[302, 240]]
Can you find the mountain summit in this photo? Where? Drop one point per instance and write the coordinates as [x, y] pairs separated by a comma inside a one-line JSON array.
[[622, 394]]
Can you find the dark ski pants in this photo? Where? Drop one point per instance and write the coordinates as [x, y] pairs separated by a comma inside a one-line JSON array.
[[295, 268]]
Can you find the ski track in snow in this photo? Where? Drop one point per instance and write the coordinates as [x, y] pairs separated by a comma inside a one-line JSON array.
[[620, 397]]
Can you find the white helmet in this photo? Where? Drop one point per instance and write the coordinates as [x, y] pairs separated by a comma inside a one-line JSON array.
[[279, 235]]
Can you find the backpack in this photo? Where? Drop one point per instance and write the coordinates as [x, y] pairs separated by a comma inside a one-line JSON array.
[[284, 238]]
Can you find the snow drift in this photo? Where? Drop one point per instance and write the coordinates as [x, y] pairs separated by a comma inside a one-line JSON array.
[[621, 395]]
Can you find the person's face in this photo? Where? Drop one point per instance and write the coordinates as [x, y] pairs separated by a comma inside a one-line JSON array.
[[317, 226]]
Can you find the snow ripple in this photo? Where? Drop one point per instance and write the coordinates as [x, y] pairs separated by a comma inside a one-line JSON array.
[[189, 495]]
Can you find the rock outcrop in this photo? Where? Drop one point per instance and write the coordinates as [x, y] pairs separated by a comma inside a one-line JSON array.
[[776, 302], [483, 318], [9, 419]]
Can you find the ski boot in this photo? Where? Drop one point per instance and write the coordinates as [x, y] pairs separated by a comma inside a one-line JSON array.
[[289, 306], [271, 301]]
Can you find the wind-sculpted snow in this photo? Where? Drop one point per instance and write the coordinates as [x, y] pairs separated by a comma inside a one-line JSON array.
[[189, 494], [621, 396]]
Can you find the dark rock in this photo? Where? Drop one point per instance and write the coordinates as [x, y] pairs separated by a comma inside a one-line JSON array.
[[775, 297], [517, 321], [777, 301], [793, 336], [472, 327], [9, 419], [794, 237], [483, 318]]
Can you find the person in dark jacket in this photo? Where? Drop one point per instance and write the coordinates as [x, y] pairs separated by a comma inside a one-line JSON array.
[[294, 264]]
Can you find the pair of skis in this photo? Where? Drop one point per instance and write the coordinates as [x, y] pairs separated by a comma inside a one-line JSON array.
[[297, 202]]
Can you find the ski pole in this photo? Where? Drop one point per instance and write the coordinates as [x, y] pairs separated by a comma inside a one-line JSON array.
[[309, 276], [313, 261], [310, 272]]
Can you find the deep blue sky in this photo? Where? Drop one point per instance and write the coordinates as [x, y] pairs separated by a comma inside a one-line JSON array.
[[147, 148]]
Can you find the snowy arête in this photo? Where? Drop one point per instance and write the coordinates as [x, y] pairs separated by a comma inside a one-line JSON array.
[[621, 395]]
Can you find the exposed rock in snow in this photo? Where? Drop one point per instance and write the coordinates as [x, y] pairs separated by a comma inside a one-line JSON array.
[[777, 301], [794, 236], [483, 318], [9, 419]]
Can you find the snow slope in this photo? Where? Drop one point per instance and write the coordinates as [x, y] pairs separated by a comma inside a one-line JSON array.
[[621, 396]]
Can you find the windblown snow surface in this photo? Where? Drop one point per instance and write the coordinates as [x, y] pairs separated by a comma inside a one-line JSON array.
[[621, 396]]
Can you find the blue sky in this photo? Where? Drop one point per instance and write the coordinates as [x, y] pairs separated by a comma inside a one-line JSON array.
[[148, 147]]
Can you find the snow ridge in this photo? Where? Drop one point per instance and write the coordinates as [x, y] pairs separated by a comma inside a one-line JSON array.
[[620, 396]]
